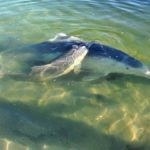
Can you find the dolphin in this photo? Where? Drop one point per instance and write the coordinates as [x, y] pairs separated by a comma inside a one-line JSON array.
[[62, 65], [99, 60]]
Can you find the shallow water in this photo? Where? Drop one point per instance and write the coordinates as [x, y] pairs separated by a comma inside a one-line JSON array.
[[68, 114]]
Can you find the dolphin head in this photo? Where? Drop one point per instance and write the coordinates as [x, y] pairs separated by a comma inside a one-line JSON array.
[[125, 68], [130, 65]]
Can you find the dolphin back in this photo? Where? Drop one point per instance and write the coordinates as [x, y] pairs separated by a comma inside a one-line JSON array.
[[99, 50]]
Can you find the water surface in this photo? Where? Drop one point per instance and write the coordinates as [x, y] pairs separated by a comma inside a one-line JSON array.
[[70, 114]]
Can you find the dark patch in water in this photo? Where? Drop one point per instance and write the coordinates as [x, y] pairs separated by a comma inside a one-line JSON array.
[[31, 128]]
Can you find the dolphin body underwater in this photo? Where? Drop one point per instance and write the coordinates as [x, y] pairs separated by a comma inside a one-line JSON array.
[[63, 54]]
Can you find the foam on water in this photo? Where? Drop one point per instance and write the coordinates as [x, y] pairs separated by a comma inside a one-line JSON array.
[[64, 37]]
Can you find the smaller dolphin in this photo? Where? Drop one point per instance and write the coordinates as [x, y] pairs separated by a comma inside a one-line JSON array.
[[61, 65]]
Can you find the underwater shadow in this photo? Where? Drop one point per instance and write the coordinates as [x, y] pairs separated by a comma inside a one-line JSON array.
[[9, 42], [25, 125], [122, 78]]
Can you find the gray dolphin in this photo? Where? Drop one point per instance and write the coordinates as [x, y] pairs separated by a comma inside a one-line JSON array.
[[99, 60], [62, 65]]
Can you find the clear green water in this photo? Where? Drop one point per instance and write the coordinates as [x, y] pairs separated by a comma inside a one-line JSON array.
[[75, 115]]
